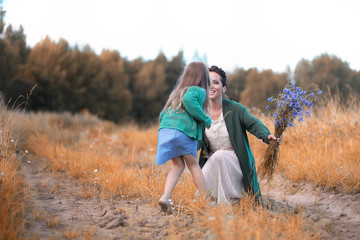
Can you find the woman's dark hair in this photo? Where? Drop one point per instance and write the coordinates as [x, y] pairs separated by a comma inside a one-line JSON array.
[[219, 71]]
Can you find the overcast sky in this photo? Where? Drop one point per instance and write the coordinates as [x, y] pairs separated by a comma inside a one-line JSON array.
[[267, 34]]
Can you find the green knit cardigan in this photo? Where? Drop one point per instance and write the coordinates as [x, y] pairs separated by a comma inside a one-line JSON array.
[[238, 120], [190, 119]]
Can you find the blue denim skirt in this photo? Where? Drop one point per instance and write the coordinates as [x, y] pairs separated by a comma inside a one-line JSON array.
[[173, 143]]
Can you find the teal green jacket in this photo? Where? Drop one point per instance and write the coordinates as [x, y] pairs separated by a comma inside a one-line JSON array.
[[238, 120], [190, 119]]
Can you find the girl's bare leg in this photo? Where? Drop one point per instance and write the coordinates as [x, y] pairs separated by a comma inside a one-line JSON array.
[[173, 177], [196, 173]]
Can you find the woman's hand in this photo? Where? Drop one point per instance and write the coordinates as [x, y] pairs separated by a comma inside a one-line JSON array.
[[272, 137]]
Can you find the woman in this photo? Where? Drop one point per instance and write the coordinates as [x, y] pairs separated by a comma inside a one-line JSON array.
[[226, 158]]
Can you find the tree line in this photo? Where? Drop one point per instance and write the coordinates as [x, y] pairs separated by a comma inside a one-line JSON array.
[[115, 88]]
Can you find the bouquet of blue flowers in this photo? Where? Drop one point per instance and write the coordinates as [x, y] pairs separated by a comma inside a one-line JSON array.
[[286, 107]]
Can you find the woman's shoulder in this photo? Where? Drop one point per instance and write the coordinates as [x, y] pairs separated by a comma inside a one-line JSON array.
[[233, 105]]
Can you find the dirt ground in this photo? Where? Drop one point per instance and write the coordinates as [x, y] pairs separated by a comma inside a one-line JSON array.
[[59, 210], [337, 215]]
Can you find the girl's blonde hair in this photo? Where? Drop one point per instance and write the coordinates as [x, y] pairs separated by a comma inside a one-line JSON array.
[[195, 74]]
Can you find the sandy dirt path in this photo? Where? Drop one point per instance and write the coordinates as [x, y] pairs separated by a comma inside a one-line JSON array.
[[58, 210], [336, 214]]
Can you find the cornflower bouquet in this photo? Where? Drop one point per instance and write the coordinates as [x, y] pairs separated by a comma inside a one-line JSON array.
[[288, 105]]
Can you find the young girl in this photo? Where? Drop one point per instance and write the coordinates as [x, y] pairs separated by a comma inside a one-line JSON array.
[[180, 128]]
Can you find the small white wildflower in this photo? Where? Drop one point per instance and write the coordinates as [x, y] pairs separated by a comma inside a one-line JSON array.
[[96, 170], [151, 149], [26, 151], [229, 217], [28, 161], [12, 140], [114, 138]]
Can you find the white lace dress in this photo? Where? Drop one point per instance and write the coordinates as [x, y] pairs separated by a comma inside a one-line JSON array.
[[222, 170]]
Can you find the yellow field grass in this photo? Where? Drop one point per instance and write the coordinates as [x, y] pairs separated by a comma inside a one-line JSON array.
[[12, 187], [324, 149], [118, 162], [121, 165]]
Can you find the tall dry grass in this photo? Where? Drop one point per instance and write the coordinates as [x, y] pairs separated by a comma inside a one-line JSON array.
[[241, 221], [324, 149], [330, 156], [13, 136], [116, 162]]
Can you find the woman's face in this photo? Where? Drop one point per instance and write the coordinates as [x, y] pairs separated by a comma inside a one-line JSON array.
[[216, 87]]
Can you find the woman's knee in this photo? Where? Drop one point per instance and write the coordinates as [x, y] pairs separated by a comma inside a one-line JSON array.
[[217, 156]]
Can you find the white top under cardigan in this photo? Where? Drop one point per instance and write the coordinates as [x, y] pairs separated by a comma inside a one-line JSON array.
[[218, 135], [222, 170]]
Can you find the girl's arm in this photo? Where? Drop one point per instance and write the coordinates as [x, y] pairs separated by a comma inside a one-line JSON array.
[[193, 101]]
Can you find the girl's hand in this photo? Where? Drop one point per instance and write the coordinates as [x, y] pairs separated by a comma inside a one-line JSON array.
[[272, 137]]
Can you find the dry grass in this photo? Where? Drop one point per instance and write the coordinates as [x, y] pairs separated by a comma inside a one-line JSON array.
[[330, 155], [118, 162], [12, 194], [244, 221], [49, 220], [324, 149], [12, 200], [287, 106]]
